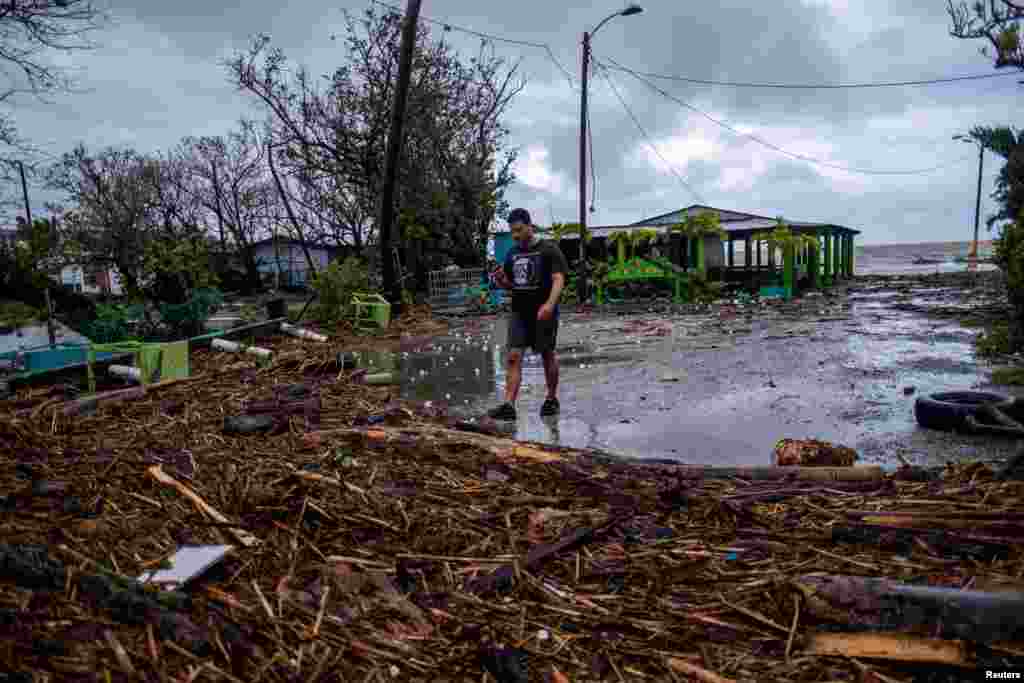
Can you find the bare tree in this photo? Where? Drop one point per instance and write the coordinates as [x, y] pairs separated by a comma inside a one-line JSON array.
[[114, 199], [230, 178], [454, 168], [995, 21]]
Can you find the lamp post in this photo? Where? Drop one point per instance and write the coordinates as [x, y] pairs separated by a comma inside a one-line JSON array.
[[629, 11], [977, 201]]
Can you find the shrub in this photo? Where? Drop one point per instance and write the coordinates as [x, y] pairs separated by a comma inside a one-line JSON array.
[[335, 286], [186, 320], [111, 323], [1009, 256], [16, 314], [994, 341], [1008, 376]]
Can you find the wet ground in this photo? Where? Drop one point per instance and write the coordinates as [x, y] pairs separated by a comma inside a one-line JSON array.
[[723, 385]]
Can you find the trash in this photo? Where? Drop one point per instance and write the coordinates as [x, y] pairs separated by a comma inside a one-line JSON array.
[[127, 372], [884, 604], [346, 360], [186, 564], [248, 424], [909, 391], [507, 665], [302, 333], [380, 378], [812, 453], [235, 347]]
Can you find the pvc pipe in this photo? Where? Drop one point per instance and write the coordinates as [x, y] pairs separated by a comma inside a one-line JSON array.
[[126, 371], [235, 347], [302, 333]]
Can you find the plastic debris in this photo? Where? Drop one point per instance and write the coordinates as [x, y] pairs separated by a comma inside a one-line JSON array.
[[235, 347], [187, 564], [302, 333]]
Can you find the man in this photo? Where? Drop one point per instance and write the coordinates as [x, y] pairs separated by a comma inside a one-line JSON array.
[[534, 271]]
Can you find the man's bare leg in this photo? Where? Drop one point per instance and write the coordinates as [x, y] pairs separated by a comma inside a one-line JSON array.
[[513, 375], [551, 372]]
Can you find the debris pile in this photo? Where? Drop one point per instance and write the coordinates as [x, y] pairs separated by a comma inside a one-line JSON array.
[[373, 539]]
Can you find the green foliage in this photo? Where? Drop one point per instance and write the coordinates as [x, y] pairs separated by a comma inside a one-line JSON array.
[[1009, 256], [703, 290], [16, 314], [561, 231], [1008, 376], [782, 237], [335, 286], [174, 270], [186, 319], [993, 342], [701, 225], [111, 323]]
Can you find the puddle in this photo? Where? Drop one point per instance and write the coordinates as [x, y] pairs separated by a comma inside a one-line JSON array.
[[732, 396]]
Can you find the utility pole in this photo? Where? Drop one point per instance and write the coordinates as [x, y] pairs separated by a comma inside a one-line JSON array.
[[392, 286], [977, 202], [46, 290], [582, 277]]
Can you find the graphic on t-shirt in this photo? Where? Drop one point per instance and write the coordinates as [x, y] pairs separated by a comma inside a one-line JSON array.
[[525, 271]]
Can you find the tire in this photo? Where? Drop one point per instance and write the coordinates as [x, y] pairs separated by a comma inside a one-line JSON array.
[[947, 411]]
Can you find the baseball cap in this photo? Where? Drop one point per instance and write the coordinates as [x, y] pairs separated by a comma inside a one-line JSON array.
[[519, 216]]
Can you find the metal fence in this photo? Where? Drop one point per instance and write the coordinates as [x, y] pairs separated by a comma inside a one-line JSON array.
[[454, 289]]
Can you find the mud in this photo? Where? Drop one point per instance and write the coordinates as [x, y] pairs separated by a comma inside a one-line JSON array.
[[722, 386]]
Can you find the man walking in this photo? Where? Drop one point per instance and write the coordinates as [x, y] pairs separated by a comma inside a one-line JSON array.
[[534, 271]]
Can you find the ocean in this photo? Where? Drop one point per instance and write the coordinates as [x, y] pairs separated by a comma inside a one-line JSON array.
[[917, 259]]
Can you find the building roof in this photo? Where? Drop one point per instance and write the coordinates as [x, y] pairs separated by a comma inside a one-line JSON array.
[[736, 223]]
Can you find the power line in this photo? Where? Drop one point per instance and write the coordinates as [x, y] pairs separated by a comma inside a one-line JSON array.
[[647, 138], [447, 26], [816, 86], [780, 150]]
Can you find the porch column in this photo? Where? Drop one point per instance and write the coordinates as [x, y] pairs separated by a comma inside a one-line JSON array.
[[747, 255], [837, 268], [757, 250], [827, 270], [853, 253], [771, 257], [698, 253], [814, 262], [732, 253], [788, 268]]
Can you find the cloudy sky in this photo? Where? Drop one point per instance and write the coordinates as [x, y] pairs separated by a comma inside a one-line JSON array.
[[157, 78]]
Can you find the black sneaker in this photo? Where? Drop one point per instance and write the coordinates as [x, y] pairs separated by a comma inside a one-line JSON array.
[[506, 411], [550, 407]]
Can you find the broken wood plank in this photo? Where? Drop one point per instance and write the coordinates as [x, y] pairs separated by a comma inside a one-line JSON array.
[[82, 405], [901, 539], [927, 521], [697, 672], [771, 473], [241, 535], [893, 646], [883, 604]]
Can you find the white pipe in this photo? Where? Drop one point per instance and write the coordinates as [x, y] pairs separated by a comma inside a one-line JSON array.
[[235, 347], [302, 333], [127, 371]]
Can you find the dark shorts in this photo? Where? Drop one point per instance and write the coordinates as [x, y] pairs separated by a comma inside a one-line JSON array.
[[524, 330]]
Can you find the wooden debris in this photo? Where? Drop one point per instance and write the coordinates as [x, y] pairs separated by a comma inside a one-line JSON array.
[[894, 646]]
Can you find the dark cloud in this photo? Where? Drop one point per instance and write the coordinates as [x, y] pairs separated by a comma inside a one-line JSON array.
[[158, 77]]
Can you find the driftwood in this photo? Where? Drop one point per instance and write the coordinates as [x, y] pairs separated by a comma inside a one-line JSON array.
[[925, 520], [241, 535], [894, 646], [883, 604], [697, 672], [904, 539], [770, 473], [83, 405], [501, 579]]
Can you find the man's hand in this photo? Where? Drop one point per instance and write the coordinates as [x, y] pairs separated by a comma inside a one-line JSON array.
[[501, 279], [546, 311]]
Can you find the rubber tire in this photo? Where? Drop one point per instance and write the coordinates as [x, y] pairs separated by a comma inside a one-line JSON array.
[[947, 411]]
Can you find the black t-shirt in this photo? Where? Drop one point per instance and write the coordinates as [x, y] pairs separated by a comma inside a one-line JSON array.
[[530, 270]]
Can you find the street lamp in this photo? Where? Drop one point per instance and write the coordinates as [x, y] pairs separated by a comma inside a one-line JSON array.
[[629, 11], [977, 201]]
